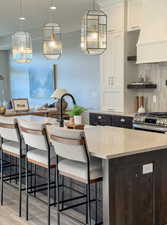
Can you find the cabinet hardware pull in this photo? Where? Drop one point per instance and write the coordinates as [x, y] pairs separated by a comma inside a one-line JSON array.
[[111, 109], [135, 27], [112, 30]]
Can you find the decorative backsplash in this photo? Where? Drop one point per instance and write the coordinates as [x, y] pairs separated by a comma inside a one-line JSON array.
[[157, 73]]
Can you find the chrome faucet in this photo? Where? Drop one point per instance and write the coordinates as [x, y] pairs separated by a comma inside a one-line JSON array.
[[61, 108]]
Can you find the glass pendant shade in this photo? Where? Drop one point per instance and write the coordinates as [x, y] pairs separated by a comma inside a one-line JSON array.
[[94, 32], [22, 47], [52, 43]]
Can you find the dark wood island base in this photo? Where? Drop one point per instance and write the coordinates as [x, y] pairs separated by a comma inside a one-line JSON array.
[[136, 198]]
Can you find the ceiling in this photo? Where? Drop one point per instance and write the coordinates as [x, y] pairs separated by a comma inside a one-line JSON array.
[[68, 14]]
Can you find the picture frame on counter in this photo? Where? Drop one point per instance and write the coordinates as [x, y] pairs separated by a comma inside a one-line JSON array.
[[20, 104]]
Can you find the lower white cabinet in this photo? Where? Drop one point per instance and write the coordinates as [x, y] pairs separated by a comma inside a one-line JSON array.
[[113, 101]]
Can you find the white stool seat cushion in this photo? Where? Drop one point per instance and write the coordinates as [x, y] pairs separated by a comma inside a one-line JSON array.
[[41, 156], [13, 147], [8, 133], [78, 170]]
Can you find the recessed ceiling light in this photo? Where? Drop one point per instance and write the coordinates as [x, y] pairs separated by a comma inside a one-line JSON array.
[[22, 18], [52, 7]]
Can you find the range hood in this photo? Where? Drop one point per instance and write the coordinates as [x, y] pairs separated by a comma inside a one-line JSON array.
[[152, 43]]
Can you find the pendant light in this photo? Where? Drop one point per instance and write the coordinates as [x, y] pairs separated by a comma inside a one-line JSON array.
[[21, 42], [52, 41], [94, 32]]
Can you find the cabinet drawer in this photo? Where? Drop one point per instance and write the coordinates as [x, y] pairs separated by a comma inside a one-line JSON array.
[[122, 121], [100, 119]]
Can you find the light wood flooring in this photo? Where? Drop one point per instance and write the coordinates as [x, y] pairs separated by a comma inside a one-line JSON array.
[[37, 211]]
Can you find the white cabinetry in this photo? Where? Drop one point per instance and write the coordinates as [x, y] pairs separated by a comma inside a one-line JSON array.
[[113, 101], [116, 71], [112, 73], [115, 17], [134, 14], [112, 62]]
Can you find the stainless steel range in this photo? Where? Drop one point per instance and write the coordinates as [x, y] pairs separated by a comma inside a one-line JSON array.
[[155, 121]]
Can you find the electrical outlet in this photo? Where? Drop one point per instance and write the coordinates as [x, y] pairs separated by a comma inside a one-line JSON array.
[[148, 168], [154, 99]]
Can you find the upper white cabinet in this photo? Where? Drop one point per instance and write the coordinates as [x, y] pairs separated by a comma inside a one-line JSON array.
[[116, 71], [113, 62], [112, 73], [115, 17], [134, 14]]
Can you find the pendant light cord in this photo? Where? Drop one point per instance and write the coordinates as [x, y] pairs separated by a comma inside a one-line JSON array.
[[51, 10], [93, 5], [21, 9], [21, 17]]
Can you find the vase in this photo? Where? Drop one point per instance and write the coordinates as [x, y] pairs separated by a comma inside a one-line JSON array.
[[77, 120]]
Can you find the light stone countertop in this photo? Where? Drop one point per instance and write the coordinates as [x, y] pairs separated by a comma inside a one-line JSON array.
[[38, 119], [113, 142], [32, 118]]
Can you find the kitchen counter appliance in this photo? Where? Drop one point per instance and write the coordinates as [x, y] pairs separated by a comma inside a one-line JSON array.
[[153, 121]]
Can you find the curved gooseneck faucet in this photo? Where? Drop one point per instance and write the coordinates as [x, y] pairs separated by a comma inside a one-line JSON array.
[[61, 108]]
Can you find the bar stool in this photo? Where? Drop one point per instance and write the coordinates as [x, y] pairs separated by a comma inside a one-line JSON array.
[[42, 155], [76, 163], [11, 145]]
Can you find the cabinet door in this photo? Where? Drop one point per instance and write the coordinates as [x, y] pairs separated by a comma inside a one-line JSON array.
[[113, 101], [112, 63], [122, 121], [115, 17], [133, 196], [112, 74], [117, 61], [100, 119], [134, 14]]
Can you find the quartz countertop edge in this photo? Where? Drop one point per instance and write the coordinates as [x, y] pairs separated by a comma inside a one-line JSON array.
[[114, 142], [102, 156]]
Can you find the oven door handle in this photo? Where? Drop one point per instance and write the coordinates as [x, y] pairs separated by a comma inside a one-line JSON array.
[[149, 128]]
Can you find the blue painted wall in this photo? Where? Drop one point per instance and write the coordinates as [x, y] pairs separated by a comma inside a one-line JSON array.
[[76, 72]]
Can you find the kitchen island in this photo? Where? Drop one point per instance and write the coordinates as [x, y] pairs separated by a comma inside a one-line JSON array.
[[134, 174]]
